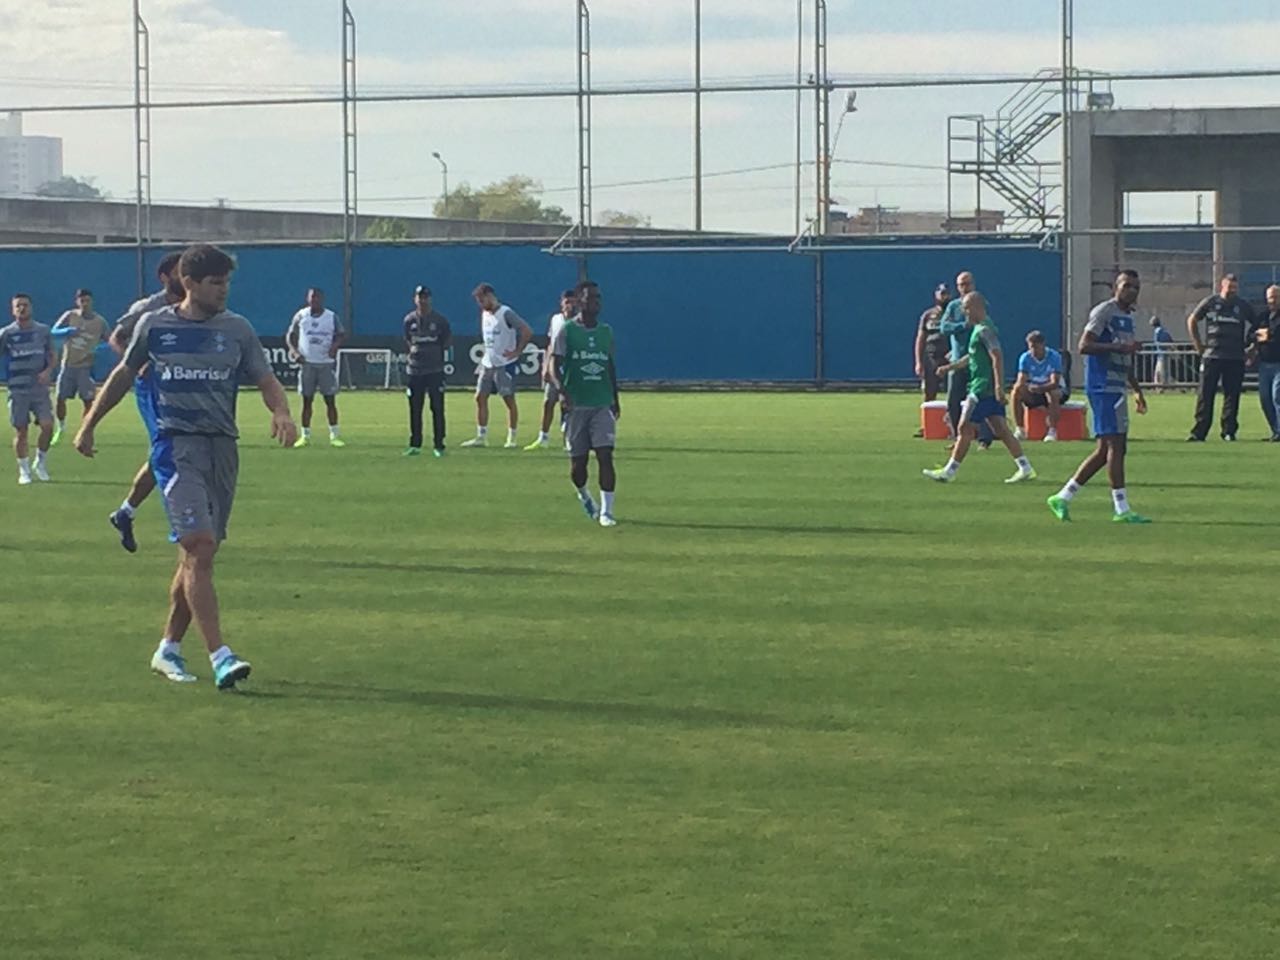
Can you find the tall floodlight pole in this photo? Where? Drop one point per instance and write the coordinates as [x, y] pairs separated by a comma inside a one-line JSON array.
[[697, 115], [799, 102], [350, 178], [584, 118], [822, 109], [1068, 79], [444, 182], [142, 137]]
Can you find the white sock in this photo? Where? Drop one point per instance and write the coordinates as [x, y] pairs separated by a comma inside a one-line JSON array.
[[62, 424], [511, 434], [1121, 500], [220, 654], [168, 646], [40, 455], [24, 464], [606, 498], [543, 436], [127, 508], [1069, 492], [306, 433], [1023, 464], [952, 467], [583, 494], [482, 431], [333, 432]]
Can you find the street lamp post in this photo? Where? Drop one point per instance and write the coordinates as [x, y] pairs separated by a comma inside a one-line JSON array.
[[444, 177]]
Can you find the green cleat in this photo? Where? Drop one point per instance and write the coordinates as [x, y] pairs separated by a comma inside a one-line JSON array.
[[301, 442], [939, 474], [1129, 517], [438, 453], [337, 442], [1060, 507], [413, 452], [57, 435]]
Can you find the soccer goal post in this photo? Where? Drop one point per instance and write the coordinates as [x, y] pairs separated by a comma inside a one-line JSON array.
[[368, 368]]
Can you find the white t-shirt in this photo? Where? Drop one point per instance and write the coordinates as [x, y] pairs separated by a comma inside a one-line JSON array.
[[501, 333], [315, 334], [557, 324]]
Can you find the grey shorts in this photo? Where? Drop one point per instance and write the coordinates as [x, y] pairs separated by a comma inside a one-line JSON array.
[[197, 479], [590, 428], [23, 404], [499, 380], [75, 382], [316, 378], [551, 394]]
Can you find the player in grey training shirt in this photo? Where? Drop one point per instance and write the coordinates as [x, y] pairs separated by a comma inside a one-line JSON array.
[[29, 349], [197, 353], [143, 481]]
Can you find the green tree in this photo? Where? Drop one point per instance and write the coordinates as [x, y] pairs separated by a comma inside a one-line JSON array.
[[516, 199], [71, 188], [624, 218], [387, 228]]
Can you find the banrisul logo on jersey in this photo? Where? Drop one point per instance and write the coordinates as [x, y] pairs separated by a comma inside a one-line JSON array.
[[177, 371]]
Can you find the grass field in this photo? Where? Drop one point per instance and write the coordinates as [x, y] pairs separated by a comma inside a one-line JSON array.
[[800, 703]]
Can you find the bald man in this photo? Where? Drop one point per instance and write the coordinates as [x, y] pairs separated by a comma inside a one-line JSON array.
[[1264, 348], [955, 325], [983, 363]]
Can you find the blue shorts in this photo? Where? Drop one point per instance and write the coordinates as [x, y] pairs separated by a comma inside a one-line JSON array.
[[1110, 414], [977, 409], [145, 396]]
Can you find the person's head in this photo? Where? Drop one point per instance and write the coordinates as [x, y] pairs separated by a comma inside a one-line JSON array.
[[84, 300], [486, 296], [589, 299], [569, 303], [964, 283], [974, 305], [20, 305], [1229, 286], [1128, 286], [315, 300], [942, 295], [1273, 297], [169, 277], [206, 277], [1155, 323], [1035, 343], [422, 299]]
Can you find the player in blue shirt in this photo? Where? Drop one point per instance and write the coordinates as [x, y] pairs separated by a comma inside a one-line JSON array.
[[1041, 383]]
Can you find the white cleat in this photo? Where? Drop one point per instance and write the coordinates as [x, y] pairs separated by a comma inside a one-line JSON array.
[[606, 520], [475, 442], [1019, 433], [511, 445], [42, 474], [171, 666], [24, 478], [1051, 436]]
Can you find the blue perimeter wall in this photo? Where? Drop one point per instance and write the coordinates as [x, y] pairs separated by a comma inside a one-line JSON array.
[[679, 315]]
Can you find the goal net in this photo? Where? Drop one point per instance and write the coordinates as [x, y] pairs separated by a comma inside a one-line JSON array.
[[368, 369]]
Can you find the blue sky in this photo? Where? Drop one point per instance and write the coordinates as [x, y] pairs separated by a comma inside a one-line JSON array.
[[891, 151]]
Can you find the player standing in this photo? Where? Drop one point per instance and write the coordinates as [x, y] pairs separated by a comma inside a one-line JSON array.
[[551, 396], [144, 481], [29, 347], [314, 337], [984, 363], [84, 330], [586, 379], [428, 338], [1108, 345], [505, 336], [197, 352]]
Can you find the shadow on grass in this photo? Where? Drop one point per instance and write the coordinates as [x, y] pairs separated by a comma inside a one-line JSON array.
[[714, 451], [389, 567], [627, 712], [120, 482], [767, 528], [1197, 485]]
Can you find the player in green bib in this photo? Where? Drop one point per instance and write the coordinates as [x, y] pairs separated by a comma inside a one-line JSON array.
[[985, 402], [585, 376]]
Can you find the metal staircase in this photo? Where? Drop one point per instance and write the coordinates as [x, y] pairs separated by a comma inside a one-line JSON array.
[[1004, 153]]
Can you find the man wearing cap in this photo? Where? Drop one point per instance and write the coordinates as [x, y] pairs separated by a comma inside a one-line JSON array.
[[931, 345], [314, 337], [85, 331], [428, 338]]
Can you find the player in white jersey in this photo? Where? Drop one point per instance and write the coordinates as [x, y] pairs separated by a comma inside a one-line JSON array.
[[551, 393], [505, 336], [314, 337]]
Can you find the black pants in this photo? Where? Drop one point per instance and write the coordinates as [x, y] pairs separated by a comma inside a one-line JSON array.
[[1230, 374], [957, 390], [421, 386]]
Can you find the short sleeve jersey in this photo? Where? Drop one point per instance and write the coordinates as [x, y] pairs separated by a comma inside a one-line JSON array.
[[982, 377], [1109, 372], [587, 353], [196, 368], [1226, 323], [935, 341], [427, 339], [27, 351], [139, 310], [315, 334], [80, 345], [1040, 372]]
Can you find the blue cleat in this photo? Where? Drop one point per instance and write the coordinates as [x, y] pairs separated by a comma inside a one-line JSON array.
[[123, 522], [230, 670], [171, 666], [589, 507]]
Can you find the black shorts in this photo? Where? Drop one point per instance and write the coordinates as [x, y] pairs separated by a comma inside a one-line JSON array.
[[1036, 400]]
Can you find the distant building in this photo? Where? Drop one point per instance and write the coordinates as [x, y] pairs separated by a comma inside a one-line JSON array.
[[26, 163], [873, 220]]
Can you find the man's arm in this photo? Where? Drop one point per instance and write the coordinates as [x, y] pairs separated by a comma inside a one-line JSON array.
[[50, 361], [339, 338], [1139, 398], [555, 356], [919, 357], [292, 337], [961, 364], [61, 323], [950, 325], [1089, 345], [1193, 324], [277, 401], [613, 375], [525, 337], [997, 369]]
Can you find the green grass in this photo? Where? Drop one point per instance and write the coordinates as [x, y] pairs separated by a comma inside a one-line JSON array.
[[801, 703]]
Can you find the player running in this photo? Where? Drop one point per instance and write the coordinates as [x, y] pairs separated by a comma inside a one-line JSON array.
[[505, 336], [984, 362], [197, 352], [586, 379], [568, 309], [85, 330], [314, 337], [1108, 345], [29, 347], [144, 482]]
